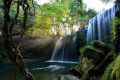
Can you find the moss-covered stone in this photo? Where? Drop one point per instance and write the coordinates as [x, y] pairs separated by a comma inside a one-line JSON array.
[[92, 53], [101, 45], [112, 72], [93, 59], [86, 66]]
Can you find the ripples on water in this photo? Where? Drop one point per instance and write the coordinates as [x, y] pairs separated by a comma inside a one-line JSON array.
[[50, 68], [41, 71]]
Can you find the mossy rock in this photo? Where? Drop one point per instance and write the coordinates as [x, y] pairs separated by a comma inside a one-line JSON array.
[[91, 60], [112, 72], [92, 53], [86, 66], [91, 57], [101, 45]]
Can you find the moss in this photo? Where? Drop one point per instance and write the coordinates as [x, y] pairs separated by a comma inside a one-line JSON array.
[[90, 49], [91, 52], [112, 71], [101, 45], [86, 66], [79, 63], [91, 56]]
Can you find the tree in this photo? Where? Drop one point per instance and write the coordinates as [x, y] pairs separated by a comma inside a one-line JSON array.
[[11, 49], [91, 13], [50, 16], [107, 1]]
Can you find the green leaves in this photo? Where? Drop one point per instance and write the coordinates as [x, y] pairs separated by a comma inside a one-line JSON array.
[[55, 16], [114, 22]]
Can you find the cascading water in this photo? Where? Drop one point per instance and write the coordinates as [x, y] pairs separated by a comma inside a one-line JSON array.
[[65, 49], [99, 27]]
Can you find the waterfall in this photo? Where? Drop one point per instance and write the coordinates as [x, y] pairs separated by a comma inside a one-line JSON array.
[[100, 27], [65, 49]]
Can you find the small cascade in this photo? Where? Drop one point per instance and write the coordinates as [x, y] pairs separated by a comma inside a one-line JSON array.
[[99, 27], [65, 49]]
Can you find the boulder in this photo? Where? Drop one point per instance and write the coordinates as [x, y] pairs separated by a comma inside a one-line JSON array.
[[92, 54], [94, 59], [68, 77], [101, 45], [75, 72]]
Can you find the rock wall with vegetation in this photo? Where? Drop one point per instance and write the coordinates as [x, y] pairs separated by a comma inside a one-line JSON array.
[[93, 60], [112, 72]]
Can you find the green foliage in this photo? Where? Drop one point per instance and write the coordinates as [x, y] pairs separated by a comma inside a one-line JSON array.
[[91, 13], [52, 17], [42, 19], [114, 22], [13, 11], [83, 19], [112, 72], [78, 12]]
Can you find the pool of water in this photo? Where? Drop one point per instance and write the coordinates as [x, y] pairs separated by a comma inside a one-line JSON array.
[[41, 71]]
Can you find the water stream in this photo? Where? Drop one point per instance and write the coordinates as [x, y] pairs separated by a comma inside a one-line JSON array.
[[100, 26], [65, 49]]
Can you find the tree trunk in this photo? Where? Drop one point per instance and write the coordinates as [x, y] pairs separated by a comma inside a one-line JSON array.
[[12, 50]]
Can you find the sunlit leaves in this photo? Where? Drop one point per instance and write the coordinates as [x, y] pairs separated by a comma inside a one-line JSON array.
[[49, 16], [114, 22]]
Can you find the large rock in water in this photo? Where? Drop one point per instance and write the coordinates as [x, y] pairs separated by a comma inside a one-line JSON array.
[[93, 59], [67, 77]]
